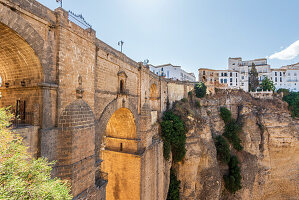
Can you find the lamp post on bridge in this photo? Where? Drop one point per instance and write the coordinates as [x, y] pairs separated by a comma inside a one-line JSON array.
[[121, 43]]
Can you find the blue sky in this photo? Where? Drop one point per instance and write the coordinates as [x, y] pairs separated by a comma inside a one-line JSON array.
[[195, 33]]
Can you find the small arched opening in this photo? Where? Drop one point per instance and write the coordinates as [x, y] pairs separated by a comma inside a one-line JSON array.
[[121, 86], [153, 92]]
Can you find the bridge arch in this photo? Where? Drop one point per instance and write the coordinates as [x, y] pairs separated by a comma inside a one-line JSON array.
[[118, 135], [20, 68], [121, 104], [12, 21]]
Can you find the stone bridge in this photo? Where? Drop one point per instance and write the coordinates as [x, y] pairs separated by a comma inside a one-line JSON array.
[[84, 104]]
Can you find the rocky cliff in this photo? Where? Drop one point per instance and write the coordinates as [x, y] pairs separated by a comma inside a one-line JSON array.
[[269, 161]]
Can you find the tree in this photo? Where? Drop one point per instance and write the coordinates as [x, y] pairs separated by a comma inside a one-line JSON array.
[[253, 78], [22, 177], [200, 89], [267, 84]]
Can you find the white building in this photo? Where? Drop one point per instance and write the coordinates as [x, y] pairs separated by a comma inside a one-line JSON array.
[[237, 75], [286, 77], [244, 68], [172, 72]]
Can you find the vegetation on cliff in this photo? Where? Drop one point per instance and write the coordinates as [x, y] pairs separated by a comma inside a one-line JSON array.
[[232, 129], [174, 186], [200, 89], [174, 136], [21, 176], [222, 147], [233, 179], [293, 100]]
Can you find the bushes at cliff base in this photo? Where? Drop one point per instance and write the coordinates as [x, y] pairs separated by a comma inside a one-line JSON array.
[[22, 177]]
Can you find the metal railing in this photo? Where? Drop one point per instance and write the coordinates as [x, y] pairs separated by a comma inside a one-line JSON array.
[[22, 119], [101, 178]]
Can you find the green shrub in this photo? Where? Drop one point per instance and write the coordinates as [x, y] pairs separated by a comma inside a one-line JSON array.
[[293, 100], [231, 132], [284, 91], [184, 100], [190, 93], [232, 181], [200, 90], [225, 114], [222, 147], [197, 104], [174, 186], [23, 177], [174, 136]]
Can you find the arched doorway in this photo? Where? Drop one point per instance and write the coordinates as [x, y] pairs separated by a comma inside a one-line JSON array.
[[120, 159], [21, 73]]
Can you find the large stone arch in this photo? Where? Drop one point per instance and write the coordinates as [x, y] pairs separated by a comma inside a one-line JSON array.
[[107, 113], [21, 67], [14, 21]]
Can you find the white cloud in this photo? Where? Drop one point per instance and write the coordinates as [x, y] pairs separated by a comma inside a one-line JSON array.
[[288, 53]]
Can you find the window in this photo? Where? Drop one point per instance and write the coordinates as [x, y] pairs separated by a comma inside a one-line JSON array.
[[242, 77], [121, 86], [231, 83], [221, 80], [221, 74], [295, 74], [231, 79], [225, 80], [204, 72], [121, 146], [275, 73], [231, 74], [236, 80], [162, 69], [275, 79], [167, 74], [280, 79], [225, 74]]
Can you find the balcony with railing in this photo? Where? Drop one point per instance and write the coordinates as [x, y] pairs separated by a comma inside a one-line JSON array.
[[22, 119], [101, 179]]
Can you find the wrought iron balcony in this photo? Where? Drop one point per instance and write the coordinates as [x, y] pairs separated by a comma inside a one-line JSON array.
[[101, 179]]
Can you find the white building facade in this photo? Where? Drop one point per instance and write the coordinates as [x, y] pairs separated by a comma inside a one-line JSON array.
[[286, 77], [237, 75], [172, 72]]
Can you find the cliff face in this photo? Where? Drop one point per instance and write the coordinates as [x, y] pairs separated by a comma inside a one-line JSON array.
[[269, 161]]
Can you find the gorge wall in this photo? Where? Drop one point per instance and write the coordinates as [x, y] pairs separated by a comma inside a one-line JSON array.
[[269, 160]]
